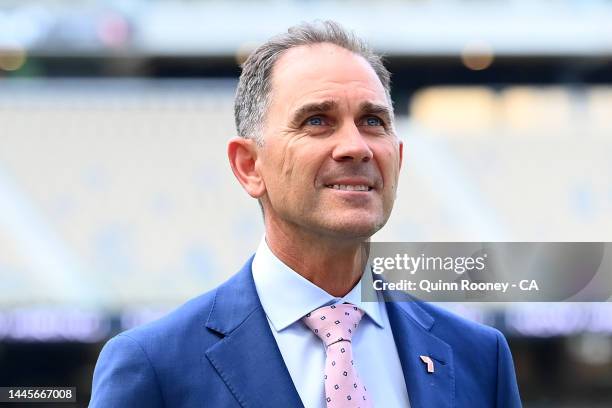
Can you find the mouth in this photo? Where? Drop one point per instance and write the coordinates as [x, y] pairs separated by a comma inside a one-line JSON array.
[[349, 187]]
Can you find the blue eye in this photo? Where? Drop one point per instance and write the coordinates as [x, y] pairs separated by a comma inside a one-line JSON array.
[[315, 121], [374, 121]]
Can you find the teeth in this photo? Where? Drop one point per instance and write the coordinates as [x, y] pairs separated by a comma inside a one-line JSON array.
[[348, 187]]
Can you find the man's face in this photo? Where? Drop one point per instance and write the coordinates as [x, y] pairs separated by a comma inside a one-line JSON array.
[[330, 160]]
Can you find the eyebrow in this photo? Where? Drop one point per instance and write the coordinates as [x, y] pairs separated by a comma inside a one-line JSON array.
[[312, 108], [376, 109]]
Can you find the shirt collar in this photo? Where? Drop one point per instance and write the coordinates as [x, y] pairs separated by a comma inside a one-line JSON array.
[[286, 296]]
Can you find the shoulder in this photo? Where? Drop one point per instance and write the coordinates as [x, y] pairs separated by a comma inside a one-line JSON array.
[[134, 366], [160, 341], [186, 330], [187, 318]]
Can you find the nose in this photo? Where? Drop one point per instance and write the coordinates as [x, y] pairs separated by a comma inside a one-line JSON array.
[[351, 146]]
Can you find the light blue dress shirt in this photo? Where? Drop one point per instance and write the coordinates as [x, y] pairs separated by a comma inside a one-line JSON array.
[[286, 297]]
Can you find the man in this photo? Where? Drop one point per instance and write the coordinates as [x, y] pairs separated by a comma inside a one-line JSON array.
[[318, 149]]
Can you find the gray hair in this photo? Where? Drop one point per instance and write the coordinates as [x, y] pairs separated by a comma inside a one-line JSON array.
[[254, 87]]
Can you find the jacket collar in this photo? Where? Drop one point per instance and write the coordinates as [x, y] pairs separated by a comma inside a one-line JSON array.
[[247, 344], [247, 357]]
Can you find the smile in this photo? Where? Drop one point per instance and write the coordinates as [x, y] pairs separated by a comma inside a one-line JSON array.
[[349, 187]]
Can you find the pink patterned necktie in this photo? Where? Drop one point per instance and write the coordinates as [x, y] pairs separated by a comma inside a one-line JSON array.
[[335, 326]]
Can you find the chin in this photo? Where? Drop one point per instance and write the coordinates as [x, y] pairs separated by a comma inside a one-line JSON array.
[[355, 229], [347, 224]]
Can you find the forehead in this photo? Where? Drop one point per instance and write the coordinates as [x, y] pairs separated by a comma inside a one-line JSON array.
[[323, 71]]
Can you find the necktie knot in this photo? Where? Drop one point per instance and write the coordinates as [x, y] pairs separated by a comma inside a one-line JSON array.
[[334, 323]]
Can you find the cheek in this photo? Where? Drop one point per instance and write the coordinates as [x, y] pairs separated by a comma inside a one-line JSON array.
[[301, 165], [388, 162], [276, 162]]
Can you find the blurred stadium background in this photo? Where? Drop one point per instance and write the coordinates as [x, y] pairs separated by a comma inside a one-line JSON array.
[[117, 203]]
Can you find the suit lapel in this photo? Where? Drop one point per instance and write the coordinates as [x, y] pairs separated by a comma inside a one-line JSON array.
[[411, 330], [247, 357]]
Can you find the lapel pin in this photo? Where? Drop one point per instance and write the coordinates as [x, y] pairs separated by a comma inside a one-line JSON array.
[[430, 365]]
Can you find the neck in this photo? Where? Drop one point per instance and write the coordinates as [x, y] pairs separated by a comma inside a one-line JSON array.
[[333, 264]]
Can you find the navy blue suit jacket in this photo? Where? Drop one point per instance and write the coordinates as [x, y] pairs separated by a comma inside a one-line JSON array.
[[217, 350]]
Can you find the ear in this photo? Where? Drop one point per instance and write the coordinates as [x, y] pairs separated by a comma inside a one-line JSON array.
[[242, 154], [401, 153]]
